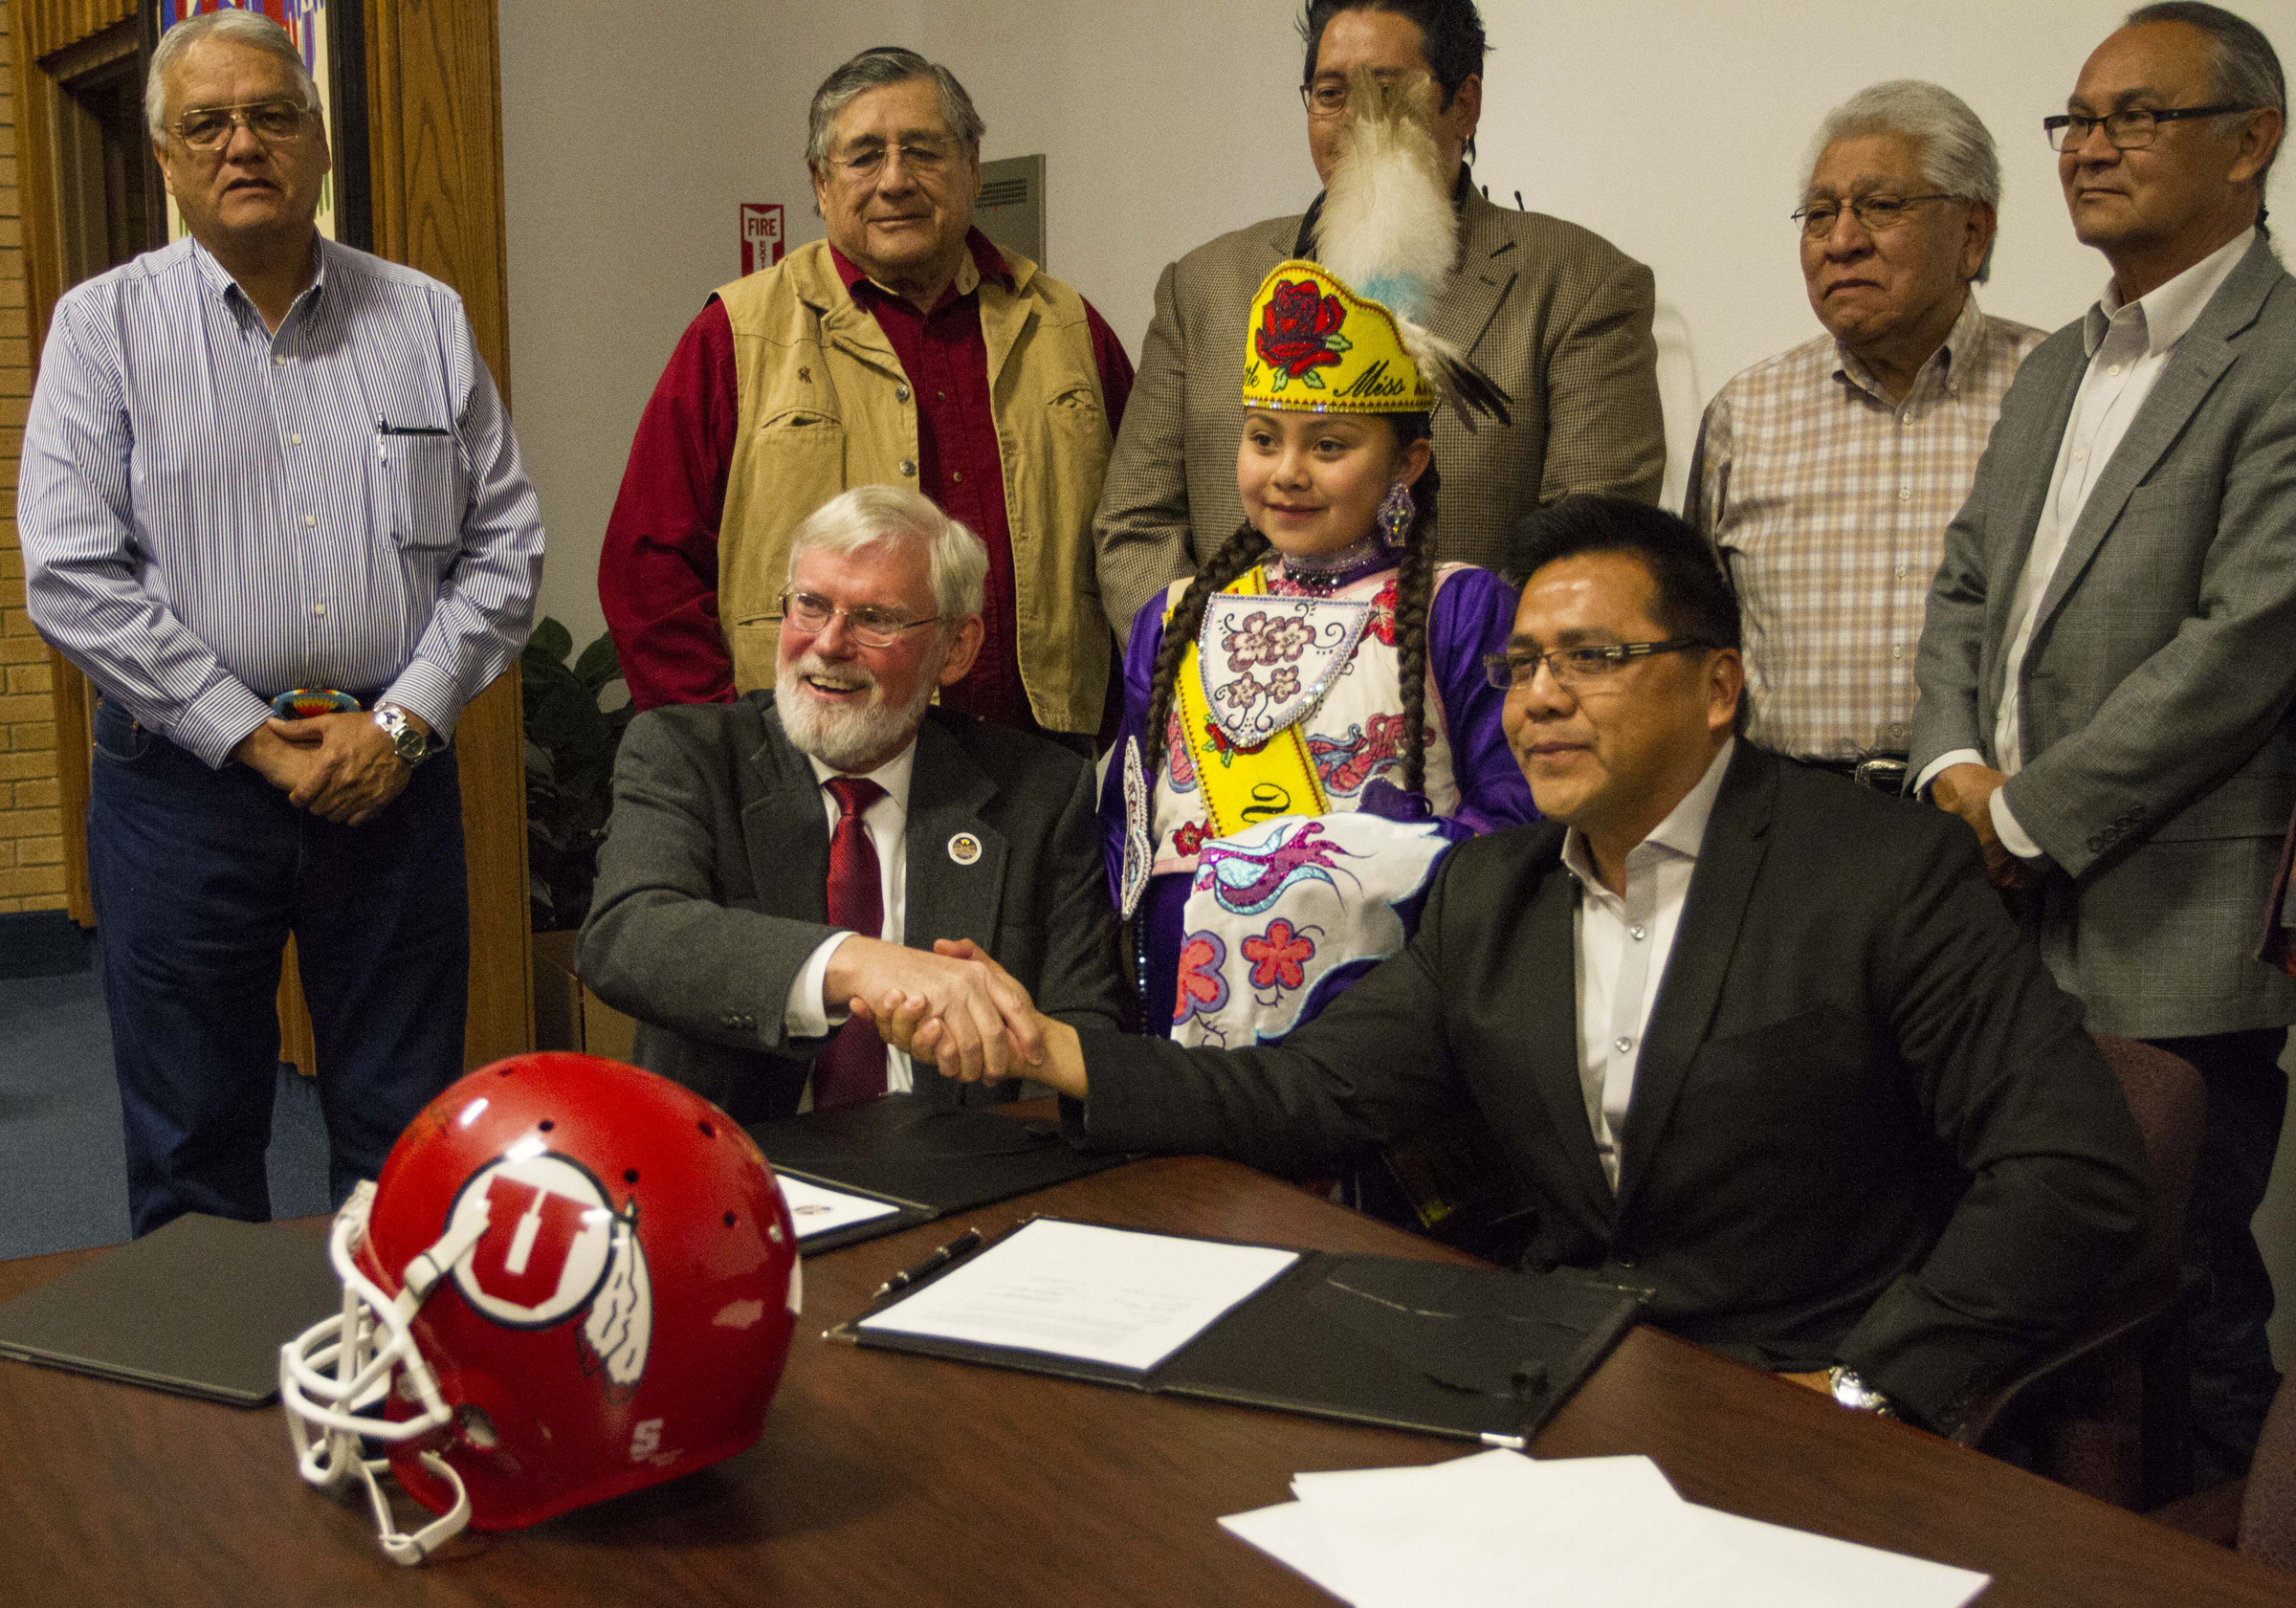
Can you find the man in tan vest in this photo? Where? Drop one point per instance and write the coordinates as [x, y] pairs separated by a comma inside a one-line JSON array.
[[903, 350]]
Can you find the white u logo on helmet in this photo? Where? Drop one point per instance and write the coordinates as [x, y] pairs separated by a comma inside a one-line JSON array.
[[539, 1234]]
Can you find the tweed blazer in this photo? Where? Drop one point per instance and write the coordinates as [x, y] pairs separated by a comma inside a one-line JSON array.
[[2159, 756], [1556, 314], [713, 886], [1865, 1125]]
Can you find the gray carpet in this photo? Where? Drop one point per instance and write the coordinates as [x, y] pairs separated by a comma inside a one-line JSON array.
[[63, 1166]]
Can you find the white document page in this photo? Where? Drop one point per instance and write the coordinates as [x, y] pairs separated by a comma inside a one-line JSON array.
[[1783, 1568], [816, 1210], [1094, 1294], [1498, 1528], [1289, 1533]]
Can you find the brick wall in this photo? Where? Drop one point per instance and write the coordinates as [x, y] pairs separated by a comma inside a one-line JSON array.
[[31, 870]]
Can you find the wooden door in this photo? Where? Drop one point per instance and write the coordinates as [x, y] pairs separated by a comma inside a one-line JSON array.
[[435, 140]]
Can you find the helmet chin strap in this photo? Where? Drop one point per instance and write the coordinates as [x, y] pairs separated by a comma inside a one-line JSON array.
[[397, 1544], [335, 1375]]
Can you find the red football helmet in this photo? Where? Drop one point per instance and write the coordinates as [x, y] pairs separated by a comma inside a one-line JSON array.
[[573, 1279]]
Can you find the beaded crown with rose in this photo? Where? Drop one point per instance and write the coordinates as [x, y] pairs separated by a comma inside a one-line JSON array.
[[1347, 333], [1316, 346]]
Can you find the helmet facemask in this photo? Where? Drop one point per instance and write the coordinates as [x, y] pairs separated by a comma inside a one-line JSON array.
[[334, 1380]]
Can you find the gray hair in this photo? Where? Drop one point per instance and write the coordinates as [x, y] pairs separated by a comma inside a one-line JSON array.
[[251, 28], [881, 67], [1957, 151], [955, 559], [2246, 69]]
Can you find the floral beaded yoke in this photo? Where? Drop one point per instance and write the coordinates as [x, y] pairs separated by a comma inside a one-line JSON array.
[[1261, 887]]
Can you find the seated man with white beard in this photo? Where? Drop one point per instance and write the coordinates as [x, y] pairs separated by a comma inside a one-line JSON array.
[[771, 859]]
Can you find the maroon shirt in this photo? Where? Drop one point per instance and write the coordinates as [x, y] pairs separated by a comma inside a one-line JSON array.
[[657, 576]]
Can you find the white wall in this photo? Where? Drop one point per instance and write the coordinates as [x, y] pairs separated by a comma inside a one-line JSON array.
[[629, 148], [1675, 127], [632, 132]]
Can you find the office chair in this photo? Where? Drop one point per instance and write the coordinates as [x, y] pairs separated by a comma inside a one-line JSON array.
[[2268, 1510], [2257, 1514], [2107, 1409]]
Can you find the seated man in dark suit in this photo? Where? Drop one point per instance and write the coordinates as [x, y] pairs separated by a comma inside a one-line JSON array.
[[771, 858], [1750, 1036]]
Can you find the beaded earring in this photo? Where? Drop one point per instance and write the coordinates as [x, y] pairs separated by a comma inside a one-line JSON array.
[[1395, 513]]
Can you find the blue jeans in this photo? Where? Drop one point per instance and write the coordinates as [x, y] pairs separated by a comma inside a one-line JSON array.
[[199, 877]]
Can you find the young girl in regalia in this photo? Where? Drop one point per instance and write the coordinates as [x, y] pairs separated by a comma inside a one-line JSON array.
[[1308, 725]]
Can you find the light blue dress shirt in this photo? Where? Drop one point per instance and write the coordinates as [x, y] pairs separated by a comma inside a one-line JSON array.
[[213, 513]]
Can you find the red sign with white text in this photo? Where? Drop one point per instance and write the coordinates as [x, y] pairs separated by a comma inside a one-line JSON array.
[[761, 234]]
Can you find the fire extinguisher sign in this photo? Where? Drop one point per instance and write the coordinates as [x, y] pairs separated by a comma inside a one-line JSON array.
[[761, 234]]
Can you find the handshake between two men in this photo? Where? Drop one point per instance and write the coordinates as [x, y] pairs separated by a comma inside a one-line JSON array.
[[1853, 1032], [956, 1009]]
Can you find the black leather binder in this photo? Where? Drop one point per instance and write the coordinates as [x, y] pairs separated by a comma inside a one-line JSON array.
[[929, 1159], [198, 1307], [1479, 1354]]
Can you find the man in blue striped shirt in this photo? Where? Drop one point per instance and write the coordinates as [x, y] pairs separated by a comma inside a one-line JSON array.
[[257, 461]]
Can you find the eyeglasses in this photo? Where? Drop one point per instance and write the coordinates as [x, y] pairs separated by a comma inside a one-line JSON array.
[[2130, 130], [1875, 214], [208, 128], [1576, 667], [1327, 97], [924, 157], [872, 626]]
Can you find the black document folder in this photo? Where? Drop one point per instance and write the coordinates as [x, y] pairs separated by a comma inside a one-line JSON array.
[[199, 1308], [1476, 1353], [928, 1158]]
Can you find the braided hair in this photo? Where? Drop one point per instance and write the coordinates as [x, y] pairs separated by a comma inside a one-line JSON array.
[[1414, 588], [1236, 555], [1414, 596]]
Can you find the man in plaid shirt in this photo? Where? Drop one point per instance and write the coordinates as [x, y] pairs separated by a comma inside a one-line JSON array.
[[1825, 476]]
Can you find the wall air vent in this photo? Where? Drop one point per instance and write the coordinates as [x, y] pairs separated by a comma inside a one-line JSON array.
[[1011, 208]]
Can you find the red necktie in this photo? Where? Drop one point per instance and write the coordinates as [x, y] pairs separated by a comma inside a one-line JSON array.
[[851, 1067]]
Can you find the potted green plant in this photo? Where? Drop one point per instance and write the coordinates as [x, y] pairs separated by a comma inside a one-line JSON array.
[[572, 735]]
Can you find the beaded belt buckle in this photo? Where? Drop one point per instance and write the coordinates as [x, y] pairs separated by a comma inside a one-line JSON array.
[[303, 702]]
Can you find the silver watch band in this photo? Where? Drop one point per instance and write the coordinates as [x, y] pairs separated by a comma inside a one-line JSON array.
[[411, 746], [1855, 1393]]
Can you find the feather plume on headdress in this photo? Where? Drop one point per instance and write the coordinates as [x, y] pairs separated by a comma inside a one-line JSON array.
[[1389, 232]]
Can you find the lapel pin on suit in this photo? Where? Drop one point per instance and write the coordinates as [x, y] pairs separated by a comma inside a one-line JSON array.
[[965, 848]]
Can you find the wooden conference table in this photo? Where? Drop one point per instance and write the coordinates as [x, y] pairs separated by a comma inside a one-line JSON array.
[[890, 1479]]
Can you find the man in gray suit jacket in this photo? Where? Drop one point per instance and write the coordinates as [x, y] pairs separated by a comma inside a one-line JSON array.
[[738, 830], [2104, 674], [1555, 313]]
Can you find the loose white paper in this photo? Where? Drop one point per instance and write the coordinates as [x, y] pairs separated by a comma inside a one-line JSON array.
[[816, 1210], [1289, 1533], [1092, 1294], [1499, 1527], [1783, 1568]]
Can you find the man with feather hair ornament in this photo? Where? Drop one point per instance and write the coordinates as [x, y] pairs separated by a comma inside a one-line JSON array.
[[1556, 314]]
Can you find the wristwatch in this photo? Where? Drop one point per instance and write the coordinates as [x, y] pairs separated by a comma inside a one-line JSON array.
[[1855, 1393], [411, 745]]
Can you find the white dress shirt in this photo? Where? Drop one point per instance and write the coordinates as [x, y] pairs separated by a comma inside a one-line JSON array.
[[807, 1015], [1622, 948], [2128, 347]]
